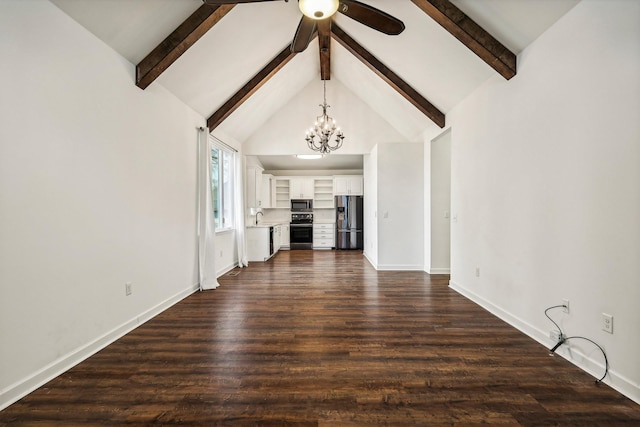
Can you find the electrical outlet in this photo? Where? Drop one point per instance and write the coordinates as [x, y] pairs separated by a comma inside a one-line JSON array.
[[555, 336], [128, 288], [477, 271], [565, 309], [607, 323]]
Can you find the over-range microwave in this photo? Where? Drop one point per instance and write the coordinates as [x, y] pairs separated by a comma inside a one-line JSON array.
[[301, 205]]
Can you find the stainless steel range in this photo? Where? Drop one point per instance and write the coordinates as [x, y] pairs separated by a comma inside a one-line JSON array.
[[301, 231]]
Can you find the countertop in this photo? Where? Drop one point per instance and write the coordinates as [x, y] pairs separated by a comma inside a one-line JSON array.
[[266, 224], [273, 224]]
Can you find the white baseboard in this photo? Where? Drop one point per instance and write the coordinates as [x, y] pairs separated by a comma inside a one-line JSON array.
[[400, 267], [373, 264], [440, 271], [18, 390], [593, 367], [226, 269]]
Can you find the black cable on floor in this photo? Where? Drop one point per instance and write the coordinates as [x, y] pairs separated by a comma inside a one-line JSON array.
[[564, 339]]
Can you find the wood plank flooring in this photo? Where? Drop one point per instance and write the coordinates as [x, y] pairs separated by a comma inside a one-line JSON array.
[[320, 338]]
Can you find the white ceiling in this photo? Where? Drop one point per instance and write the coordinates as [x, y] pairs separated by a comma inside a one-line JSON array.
[[426, 56], [329, 162]]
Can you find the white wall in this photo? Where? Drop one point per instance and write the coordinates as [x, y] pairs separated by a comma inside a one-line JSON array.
[[400, 208], [97, 188], [439, 197], [546, 169], [284, 132], [370, 214], [227, 252]]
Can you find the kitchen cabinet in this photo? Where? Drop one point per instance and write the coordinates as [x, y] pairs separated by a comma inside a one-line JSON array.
[[348, 185], [282, 198], [285, 238], [259, 243], [324, 236], [254, 187], [277, 237], [323, 193], [265, 240], [301, 188], [267, 190]]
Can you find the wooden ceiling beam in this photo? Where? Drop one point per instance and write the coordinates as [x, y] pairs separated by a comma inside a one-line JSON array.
[[472, 35], [250, 88], [177, 43], [402, 87], [324, 44]]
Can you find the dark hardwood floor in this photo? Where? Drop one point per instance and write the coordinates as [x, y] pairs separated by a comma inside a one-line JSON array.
[[321, 338]]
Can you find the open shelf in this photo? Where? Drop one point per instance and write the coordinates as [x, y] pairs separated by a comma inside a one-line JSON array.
[[323, 193], [282, 193]]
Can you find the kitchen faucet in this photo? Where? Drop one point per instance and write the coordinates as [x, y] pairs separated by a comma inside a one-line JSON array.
[[257, 216]]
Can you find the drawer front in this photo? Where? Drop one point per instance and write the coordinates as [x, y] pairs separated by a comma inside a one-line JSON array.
[[323, 243], [322, 227], [318, 237], [320, 233]]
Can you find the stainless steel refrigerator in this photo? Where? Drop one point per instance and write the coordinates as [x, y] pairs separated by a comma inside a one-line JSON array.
[[349, 219]]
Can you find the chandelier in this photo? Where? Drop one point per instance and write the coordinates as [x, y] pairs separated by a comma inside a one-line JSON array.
[[319, 136]]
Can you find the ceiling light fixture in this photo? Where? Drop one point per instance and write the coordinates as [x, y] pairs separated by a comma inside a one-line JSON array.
[[318, 9], [319, 136], [309, 156]]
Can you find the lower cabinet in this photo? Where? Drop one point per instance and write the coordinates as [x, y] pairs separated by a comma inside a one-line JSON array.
[[285, 237], [263, 242], [277, 237], [259, 243], [324, 236]]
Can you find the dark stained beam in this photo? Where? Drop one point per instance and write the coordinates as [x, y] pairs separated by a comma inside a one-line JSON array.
[[472, 35], [177, 43], [324, 43], [250, 88], [403, 88]]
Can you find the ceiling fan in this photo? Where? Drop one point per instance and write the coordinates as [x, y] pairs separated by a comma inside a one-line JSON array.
[[314, 10]]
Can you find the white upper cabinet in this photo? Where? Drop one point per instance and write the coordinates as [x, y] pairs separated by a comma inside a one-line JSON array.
[[254, 187], [268, 188], [348, 185], [301, 188]]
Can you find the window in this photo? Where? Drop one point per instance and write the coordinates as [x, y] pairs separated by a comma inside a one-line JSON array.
[[222, 173]]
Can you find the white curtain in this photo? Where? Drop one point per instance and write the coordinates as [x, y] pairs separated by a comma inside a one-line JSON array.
[[238, 191], [206, 220]]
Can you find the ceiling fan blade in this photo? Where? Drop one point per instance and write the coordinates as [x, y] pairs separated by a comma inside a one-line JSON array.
[[217, 2], [371, 17], [304, 34]]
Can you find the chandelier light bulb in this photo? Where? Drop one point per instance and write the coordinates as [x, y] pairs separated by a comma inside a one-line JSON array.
[[318, 9]]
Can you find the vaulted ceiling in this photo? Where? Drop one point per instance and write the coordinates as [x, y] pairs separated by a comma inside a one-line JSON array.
[[408, 80]]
